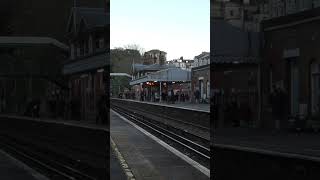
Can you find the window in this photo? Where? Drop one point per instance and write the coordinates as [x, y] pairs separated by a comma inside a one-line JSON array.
[[81, 48], [72, 51], [90, 44], [96, 44], [86, 48], [101, 43], [78, 52], [315, 87]]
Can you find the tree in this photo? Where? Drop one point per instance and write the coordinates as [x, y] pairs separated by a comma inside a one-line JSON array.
[[122, 59], [135, 47]]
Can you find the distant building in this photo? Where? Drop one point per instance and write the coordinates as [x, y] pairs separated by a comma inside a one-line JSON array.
[[200, 74], [182, 63], [279, 8], [246, 14], [201, 60], [88, 33], [154, 56]]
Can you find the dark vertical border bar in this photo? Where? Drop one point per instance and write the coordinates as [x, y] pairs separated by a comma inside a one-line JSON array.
[[212, 109], [107, 85]]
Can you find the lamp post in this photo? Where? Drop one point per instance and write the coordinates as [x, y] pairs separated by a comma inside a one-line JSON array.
[[160, 100]]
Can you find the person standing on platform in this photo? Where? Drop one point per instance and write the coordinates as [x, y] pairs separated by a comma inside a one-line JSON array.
[[197, 96], [282, 108], [141, 96], [102, 110], [172, 96], [275, 103], [169, 96]]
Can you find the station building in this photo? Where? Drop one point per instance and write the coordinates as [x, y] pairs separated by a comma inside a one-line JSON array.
[[156, 80], [235, 69], [29, 70], [87, 68], [291, 60]]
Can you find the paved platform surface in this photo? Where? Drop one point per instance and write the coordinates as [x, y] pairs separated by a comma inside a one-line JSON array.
[[146, 158], [304, 145], [12, 169], [183, 105]]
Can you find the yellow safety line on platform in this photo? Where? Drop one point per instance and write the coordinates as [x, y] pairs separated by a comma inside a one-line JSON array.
[[122, 161]]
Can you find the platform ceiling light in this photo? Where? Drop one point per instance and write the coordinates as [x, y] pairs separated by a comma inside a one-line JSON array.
[[100, 70], [155, 81]]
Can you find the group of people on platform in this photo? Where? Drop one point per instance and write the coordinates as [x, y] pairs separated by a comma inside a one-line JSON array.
[[233, 111], [166, 96], [60, 107], [172, 97]]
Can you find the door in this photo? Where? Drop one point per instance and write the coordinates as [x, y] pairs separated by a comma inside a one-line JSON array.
[[315, 88], [201, 88], [294, 87]]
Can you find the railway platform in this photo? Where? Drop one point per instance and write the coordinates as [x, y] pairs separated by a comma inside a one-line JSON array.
[[55, 144], [146, 157], [12, 169], [301, 144], [252, 153], [181, 105]]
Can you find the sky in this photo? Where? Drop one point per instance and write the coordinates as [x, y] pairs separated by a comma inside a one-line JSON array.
[[178, 27]]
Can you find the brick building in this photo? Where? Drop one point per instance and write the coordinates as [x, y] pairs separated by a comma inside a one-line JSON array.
[[200, 76], [235, 70], [154, 56], [291, 60], [87, 68]]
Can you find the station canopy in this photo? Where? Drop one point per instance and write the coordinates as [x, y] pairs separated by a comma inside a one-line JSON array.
[[165, 75]]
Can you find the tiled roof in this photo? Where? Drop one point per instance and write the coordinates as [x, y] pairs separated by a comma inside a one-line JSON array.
[[203, 54], [229, 40], [92, 17], [234, 60]]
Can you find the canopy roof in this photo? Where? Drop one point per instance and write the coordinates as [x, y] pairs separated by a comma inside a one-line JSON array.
[[23, 41], [166, 75]]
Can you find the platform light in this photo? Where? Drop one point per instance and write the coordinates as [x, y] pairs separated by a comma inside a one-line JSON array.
[[100, 70], [173, 82]]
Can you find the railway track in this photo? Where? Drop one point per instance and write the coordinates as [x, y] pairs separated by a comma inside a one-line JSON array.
[[195, 125], [53, 166], [196, 147]]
